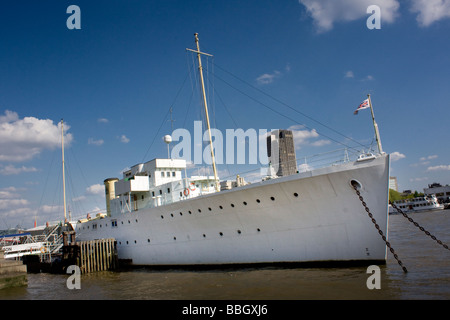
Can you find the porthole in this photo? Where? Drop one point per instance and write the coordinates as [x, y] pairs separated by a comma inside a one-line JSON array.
[[171, 215], [204, 235], [127, 242], [162, 217], [295, 194], [209, 209], [239, 231], [245, 203], [258, 229], [221, 234], [220, 207], [257, 200], [135, 241], [181, 213], [272, 198], [199, 210], [148, 240], [136, 220], [129, 221], [174, 238], [190, 212], [232, 205]]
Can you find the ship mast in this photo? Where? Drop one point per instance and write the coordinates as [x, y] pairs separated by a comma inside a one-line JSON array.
[[375, 126], [200, 68], [63, 171]]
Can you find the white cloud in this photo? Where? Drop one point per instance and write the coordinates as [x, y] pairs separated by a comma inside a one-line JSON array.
[[303, 137], [123, 138], [320, 143], [418, 179], [10, 170], [349, 74], [439, 168], [428, 158], [326, 12], [430, 11], [424, 160], [12, 203], [267, 78], [98, 142], [96, 189], [8, 193], [103, 120], [395, 156], [23, 139]]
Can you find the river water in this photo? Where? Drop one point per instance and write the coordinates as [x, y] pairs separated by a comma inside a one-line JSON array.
[[428, 276]]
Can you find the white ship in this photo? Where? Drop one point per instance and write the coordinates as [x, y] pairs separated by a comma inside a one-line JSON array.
[[160, 217], [425, 203]]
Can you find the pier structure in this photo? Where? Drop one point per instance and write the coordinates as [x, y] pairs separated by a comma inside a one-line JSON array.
[[89, 256]]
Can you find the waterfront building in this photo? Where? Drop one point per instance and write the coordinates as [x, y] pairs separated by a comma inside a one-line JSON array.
[[393, 183], [442, 192]]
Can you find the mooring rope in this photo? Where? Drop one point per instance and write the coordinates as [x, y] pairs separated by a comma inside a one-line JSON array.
[[418, 226], [379, 230]]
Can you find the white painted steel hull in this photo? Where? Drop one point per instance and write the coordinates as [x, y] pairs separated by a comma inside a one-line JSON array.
[[326, 222]]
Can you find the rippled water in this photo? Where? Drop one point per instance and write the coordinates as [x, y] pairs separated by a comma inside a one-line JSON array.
[[427, 262]]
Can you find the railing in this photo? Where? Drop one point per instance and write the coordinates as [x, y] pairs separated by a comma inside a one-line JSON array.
[[303, 164]]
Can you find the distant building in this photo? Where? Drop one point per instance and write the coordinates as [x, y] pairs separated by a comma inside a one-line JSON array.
[[442, 192], [393, 183], [230, 184], [286, 160]]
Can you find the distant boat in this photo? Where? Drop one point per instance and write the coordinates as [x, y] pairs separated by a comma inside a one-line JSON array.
[[425, 203], [159, 218]]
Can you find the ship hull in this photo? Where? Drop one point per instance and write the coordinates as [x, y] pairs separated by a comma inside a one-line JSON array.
[[311, 217]]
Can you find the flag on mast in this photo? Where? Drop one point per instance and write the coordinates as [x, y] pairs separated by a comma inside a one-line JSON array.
[[363, 105]]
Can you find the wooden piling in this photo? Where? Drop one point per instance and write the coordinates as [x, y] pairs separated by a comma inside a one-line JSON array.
[[97, 255]]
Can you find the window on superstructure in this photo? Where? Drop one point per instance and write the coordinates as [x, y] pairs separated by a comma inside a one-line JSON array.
[[162, 173], [160, 191], [168, 190], [168, 174], [173, 174], [153, 193]]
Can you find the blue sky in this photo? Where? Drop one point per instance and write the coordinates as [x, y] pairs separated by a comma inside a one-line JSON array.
[[114, 80]]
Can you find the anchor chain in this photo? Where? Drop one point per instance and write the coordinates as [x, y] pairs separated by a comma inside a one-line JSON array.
[[378, 228], [418, 226]]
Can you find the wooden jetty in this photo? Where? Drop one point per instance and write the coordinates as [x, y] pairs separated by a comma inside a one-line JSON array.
[[97, 255], [89, 256]]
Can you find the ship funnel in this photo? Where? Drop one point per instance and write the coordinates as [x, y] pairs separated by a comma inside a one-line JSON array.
[[110, 191]]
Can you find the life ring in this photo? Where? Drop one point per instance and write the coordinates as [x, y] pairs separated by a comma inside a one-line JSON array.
[[186, 192], [192, 186], [43, 249]]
